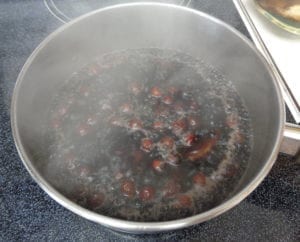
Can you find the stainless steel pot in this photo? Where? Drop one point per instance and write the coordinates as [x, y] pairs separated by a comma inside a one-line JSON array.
[[145, 25]]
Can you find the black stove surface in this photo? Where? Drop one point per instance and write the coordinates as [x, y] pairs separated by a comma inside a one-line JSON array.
[[270, 213]]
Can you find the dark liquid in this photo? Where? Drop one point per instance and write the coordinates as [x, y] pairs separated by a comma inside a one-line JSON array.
[[147, 135]]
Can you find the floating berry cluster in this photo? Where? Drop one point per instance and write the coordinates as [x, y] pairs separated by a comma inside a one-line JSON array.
[[131, 139]]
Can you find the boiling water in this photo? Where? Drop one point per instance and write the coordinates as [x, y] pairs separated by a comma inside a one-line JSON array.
[[147, 135]]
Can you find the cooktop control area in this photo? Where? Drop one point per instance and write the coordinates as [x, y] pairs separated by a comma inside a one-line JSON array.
[[270, 213]]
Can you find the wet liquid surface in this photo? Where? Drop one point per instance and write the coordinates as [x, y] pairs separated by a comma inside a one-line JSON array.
[[147, 135]]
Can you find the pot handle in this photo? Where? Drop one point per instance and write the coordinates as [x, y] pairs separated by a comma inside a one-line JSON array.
[[291, 140]]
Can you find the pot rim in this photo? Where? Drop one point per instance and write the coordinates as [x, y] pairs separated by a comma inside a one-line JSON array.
[[144, 227]]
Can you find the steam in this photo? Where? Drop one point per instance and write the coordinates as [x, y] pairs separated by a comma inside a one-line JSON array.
[[79, 159]]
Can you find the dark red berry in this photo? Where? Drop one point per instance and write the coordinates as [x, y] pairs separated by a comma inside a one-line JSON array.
[[173, 90], [69, 160], [189, 139], [138, 156], [119, 152], [194, 105], [119, 175], [135, 124], [147, 193], [178, 108], [55, 123], [171, 188], [173, 160], [231, 170], [105, 106], [91, 120], [239, 137], [83, 129], [159, 125], [162, 111], [84, 171], [202, 149], [193, 121], [126, 108], [136, 88], [146, 145], [232, 121], [199, 178], [128, 188], [179, 126], [156, 92], [167, 142], [69, 157], [85, 91], [184, 200], [62, 110], [158, 165], [81, 191], [167, 100], [94, 69], [116, 121], [96, 200]]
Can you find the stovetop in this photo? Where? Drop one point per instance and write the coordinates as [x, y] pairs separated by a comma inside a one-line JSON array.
[[270, 213]]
